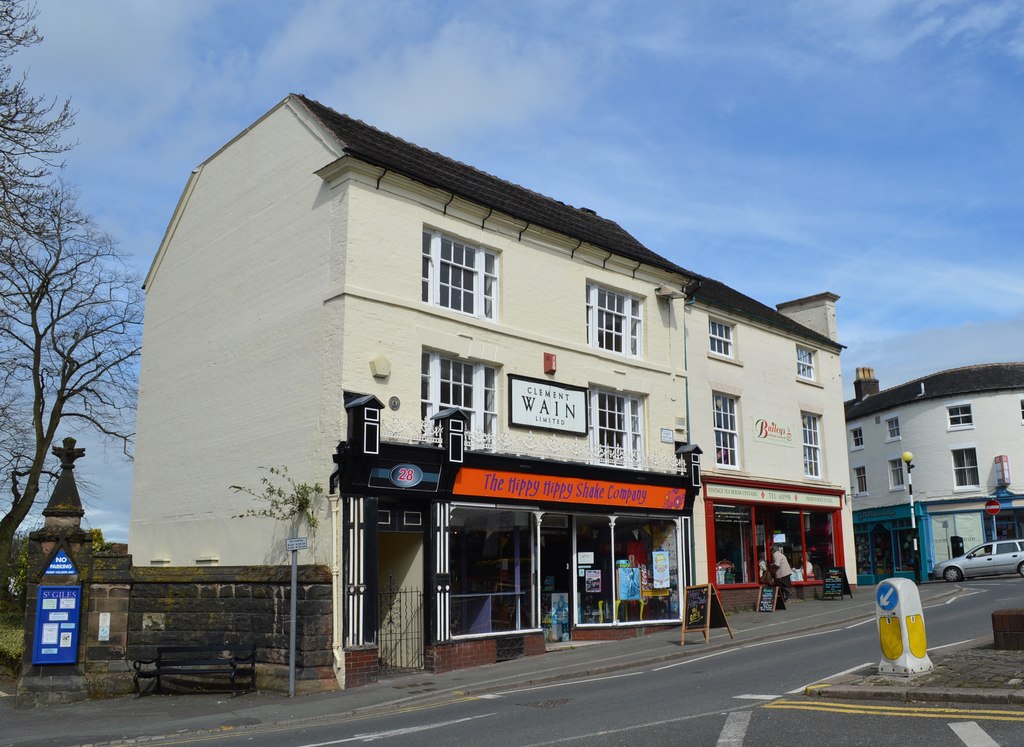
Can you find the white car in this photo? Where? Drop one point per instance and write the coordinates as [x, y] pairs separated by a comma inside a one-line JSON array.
[[1004, 556]]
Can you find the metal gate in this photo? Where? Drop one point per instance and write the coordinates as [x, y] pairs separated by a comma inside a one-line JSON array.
[[400, 639]]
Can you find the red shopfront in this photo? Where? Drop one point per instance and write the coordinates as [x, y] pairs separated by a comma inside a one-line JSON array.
[[745, 519]]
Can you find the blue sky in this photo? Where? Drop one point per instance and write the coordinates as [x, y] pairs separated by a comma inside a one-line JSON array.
[[872, 148]]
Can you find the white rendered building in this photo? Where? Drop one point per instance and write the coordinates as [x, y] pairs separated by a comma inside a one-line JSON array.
[[963, 428]]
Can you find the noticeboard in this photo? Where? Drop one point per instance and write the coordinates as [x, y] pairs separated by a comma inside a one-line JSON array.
[[702, 611], [56, 631], [836, 584]]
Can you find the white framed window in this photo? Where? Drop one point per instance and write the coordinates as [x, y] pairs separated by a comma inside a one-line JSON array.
[[857, 437], [720, 338], [470, 387], [965, 468], [614, 321], [727, 452], [804, 363], [459, 276], [960, 416], [617, 428], [860, 479], [812, 444], [892, 428], [895, 474]]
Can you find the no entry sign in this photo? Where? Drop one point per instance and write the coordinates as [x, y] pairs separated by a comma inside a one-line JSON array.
[[992, 507]]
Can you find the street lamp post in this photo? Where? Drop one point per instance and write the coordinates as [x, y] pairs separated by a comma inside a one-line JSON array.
[[908, 459]]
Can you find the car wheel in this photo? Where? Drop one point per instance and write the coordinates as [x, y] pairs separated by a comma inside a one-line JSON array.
[[1020, 568], [954, 574]]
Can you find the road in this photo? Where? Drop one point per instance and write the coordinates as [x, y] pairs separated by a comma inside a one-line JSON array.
[[749, 694]]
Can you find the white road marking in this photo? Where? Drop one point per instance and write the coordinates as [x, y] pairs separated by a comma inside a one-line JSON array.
[[791, 638], [691, 661], [755, 697], [972, 735], [735, 729], [396, 732], [567, 684], [826, 679], [947, 645], [862, 622]]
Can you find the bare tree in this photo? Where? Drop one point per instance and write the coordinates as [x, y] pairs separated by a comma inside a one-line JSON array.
[[69, 311], [70, 323], [31, 127]]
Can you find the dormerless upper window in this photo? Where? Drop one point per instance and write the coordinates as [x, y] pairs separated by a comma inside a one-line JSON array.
[[892, 426], [805, 363], [459, 277], [720, 338], [895, 473], [726, 430], [960, 416], [965, 468], [617, 428], [614, 321], [812, 445], [860, 474], [470, 387]]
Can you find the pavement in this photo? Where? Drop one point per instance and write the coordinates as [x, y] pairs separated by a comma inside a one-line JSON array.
[[972, 672]]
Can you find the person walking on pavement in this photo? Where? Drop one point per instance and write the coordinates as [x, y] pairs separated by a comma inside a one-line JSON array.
[[780, 565]]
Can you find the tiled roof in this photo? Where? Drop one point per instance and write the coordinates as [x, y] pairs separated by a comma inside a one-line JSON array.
[[380, 148], [956, 382], [721, 296], [383, 149]]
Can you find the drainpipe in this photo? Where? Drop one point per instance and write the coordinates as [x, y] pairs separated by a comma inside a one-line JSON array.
[[337, 645]]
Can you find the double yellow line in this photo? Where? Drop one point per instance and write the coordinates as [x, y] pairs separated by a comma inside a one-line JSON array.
[[981, 714]]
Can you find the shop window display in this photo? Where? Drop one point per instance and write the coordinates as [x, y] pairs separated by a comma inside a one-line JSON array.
[[646, 570], [491, 570], [734, 557], [743, 535], [594, 583], [643, 583]]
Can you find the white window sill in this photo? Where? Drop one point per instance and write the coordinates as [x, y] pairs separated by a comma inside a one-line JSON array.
[[724, 359]]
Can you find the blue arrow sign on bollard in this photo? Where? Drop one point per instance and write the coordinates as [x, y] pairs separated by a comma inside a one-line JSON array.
[[886, 597]]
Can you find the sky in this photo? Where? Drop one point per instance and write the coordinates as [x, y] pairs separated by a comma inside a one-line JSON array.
[[872, 149]]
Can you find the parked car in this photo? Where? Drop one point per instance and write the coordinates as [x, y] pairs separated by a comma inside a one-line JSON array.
[[1004, 556]]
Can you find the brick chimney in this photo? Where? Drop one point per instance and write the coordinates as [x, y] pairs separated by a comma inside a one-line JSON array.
[[865, 384]]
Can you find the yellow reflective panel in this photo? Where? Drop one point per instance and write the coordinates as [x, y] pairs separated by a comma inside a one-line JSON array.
[[916, 636], [890, 637]]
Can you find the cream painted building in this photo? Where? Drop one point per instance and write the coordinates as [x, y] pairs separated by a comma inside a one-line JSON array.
[[491, 384], [765, 402]]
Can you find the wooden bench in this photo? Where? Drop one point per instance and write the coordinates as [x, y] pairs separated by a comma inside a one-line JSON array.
[[238, 662]]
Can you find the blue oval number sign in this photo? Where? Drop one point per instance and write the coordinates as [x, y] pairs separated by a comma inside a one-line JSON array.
[[406, 476]]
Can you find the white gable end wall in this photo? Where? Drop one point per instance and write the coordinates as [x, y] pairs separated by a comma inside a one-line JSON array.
[[230, 376]]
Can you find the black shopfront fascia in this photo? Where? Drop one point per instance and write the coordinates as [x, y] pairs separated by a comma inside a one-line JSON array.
[[422, 476]]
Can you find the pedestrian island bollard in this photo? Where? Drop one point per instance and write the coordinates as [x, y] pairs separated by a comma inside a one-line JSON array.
[[901, 628]]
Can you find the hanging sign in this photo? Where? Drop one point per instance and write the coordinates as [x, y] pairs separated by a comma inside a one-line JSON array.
[[56, 632]]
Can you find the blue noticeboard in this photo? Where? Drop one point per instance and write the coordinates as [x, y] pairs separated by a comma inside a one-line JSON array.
[[57, 618], [887, 597]]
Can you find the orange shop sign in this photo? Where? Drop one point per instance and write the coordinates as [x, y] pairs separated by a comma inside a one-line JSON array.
[[486, 483]]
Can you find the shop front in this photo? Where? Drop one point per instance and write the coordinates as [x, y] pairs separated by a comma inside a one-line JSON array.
[[884, 541], [745, 520], [508, 553]]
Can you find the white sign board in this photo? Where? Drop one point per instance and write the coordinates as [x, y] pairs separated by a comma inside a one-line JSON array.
[[296, 543], [545, 404]]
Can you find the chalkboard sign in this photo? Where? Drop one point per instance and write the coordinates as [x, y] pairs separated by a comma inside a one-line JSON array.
[[702, 611], [767, 598], [696, 606], [835, 584]]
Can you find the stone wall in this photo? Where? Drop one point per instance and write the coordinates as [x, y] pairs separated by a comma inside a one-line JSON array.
[[152, 606]]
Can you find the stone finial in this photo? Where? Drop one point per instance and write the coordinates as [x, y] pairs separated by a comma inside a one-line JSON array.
[[65, 501]]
